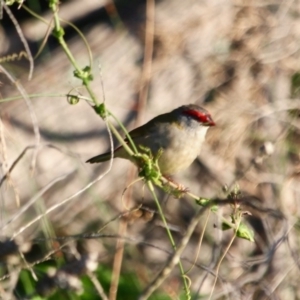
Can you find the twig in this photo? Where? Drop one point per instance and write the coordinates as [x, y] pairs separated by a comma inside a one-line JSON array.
[[22, 38], [147, 62], [35, 198], [163, 274], [33, 116], [14, 164], [97, 285], [66, 200], [143, 94], [223, 256], [200, 241]]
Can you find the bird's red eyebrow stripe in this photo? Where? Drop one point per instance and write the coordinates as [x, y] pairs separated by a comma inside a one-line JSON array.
[[202, 117], [194, 113], [198, 115]]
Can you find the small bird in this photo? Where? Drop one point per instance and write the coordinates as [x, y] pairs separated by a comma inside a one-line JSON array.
[[179, 133]]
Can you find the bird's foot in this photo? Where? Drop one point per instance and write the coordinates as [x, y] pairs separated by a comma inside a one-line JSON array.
[[177, 189]]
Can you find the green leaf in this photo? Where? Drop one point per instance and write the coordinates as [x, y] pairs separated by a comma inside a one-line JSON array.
[[245, 232], [226, 225], [204, 202]]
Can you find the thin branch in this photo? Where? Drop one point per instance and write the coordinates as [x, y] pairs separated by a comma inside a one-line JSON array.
[[97, 285], [200, 241], [22, 38], [148, 54], [33, 116], [174, 259], [223, 256], [66, 200], [15, 163], [35, 198]]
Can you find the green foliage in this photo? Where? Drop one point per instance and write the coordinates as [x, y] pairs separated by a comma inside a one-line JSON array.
[[26, 285], [295, 85], [206, 202], [85, 75], [101, 110], [129, 286], [245, 232], [149, 165]]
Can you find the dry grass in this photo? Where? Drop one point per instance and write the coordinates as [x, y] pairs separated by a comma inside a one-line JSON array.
[[239, 59]]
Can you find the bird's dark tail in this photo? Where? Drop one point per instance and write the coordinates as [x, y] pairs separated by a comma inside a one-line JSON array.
[[100, 158]]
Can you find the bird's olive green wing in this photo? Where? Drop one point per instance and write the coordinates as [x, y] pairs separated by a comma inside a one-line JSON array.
[[152, 125]]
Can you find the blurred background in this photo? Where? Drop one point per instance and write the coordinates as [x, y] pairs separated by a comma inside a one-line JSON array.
[[238, 59]]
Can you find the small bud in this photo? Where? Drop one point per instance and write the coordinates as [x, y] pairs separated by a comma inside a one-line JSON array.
[[267, 148], [225, 188], [72, 99]]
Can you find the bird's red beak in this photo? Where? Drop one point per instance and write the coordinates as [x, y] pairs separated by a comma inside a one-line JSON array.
[[209, 121]]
